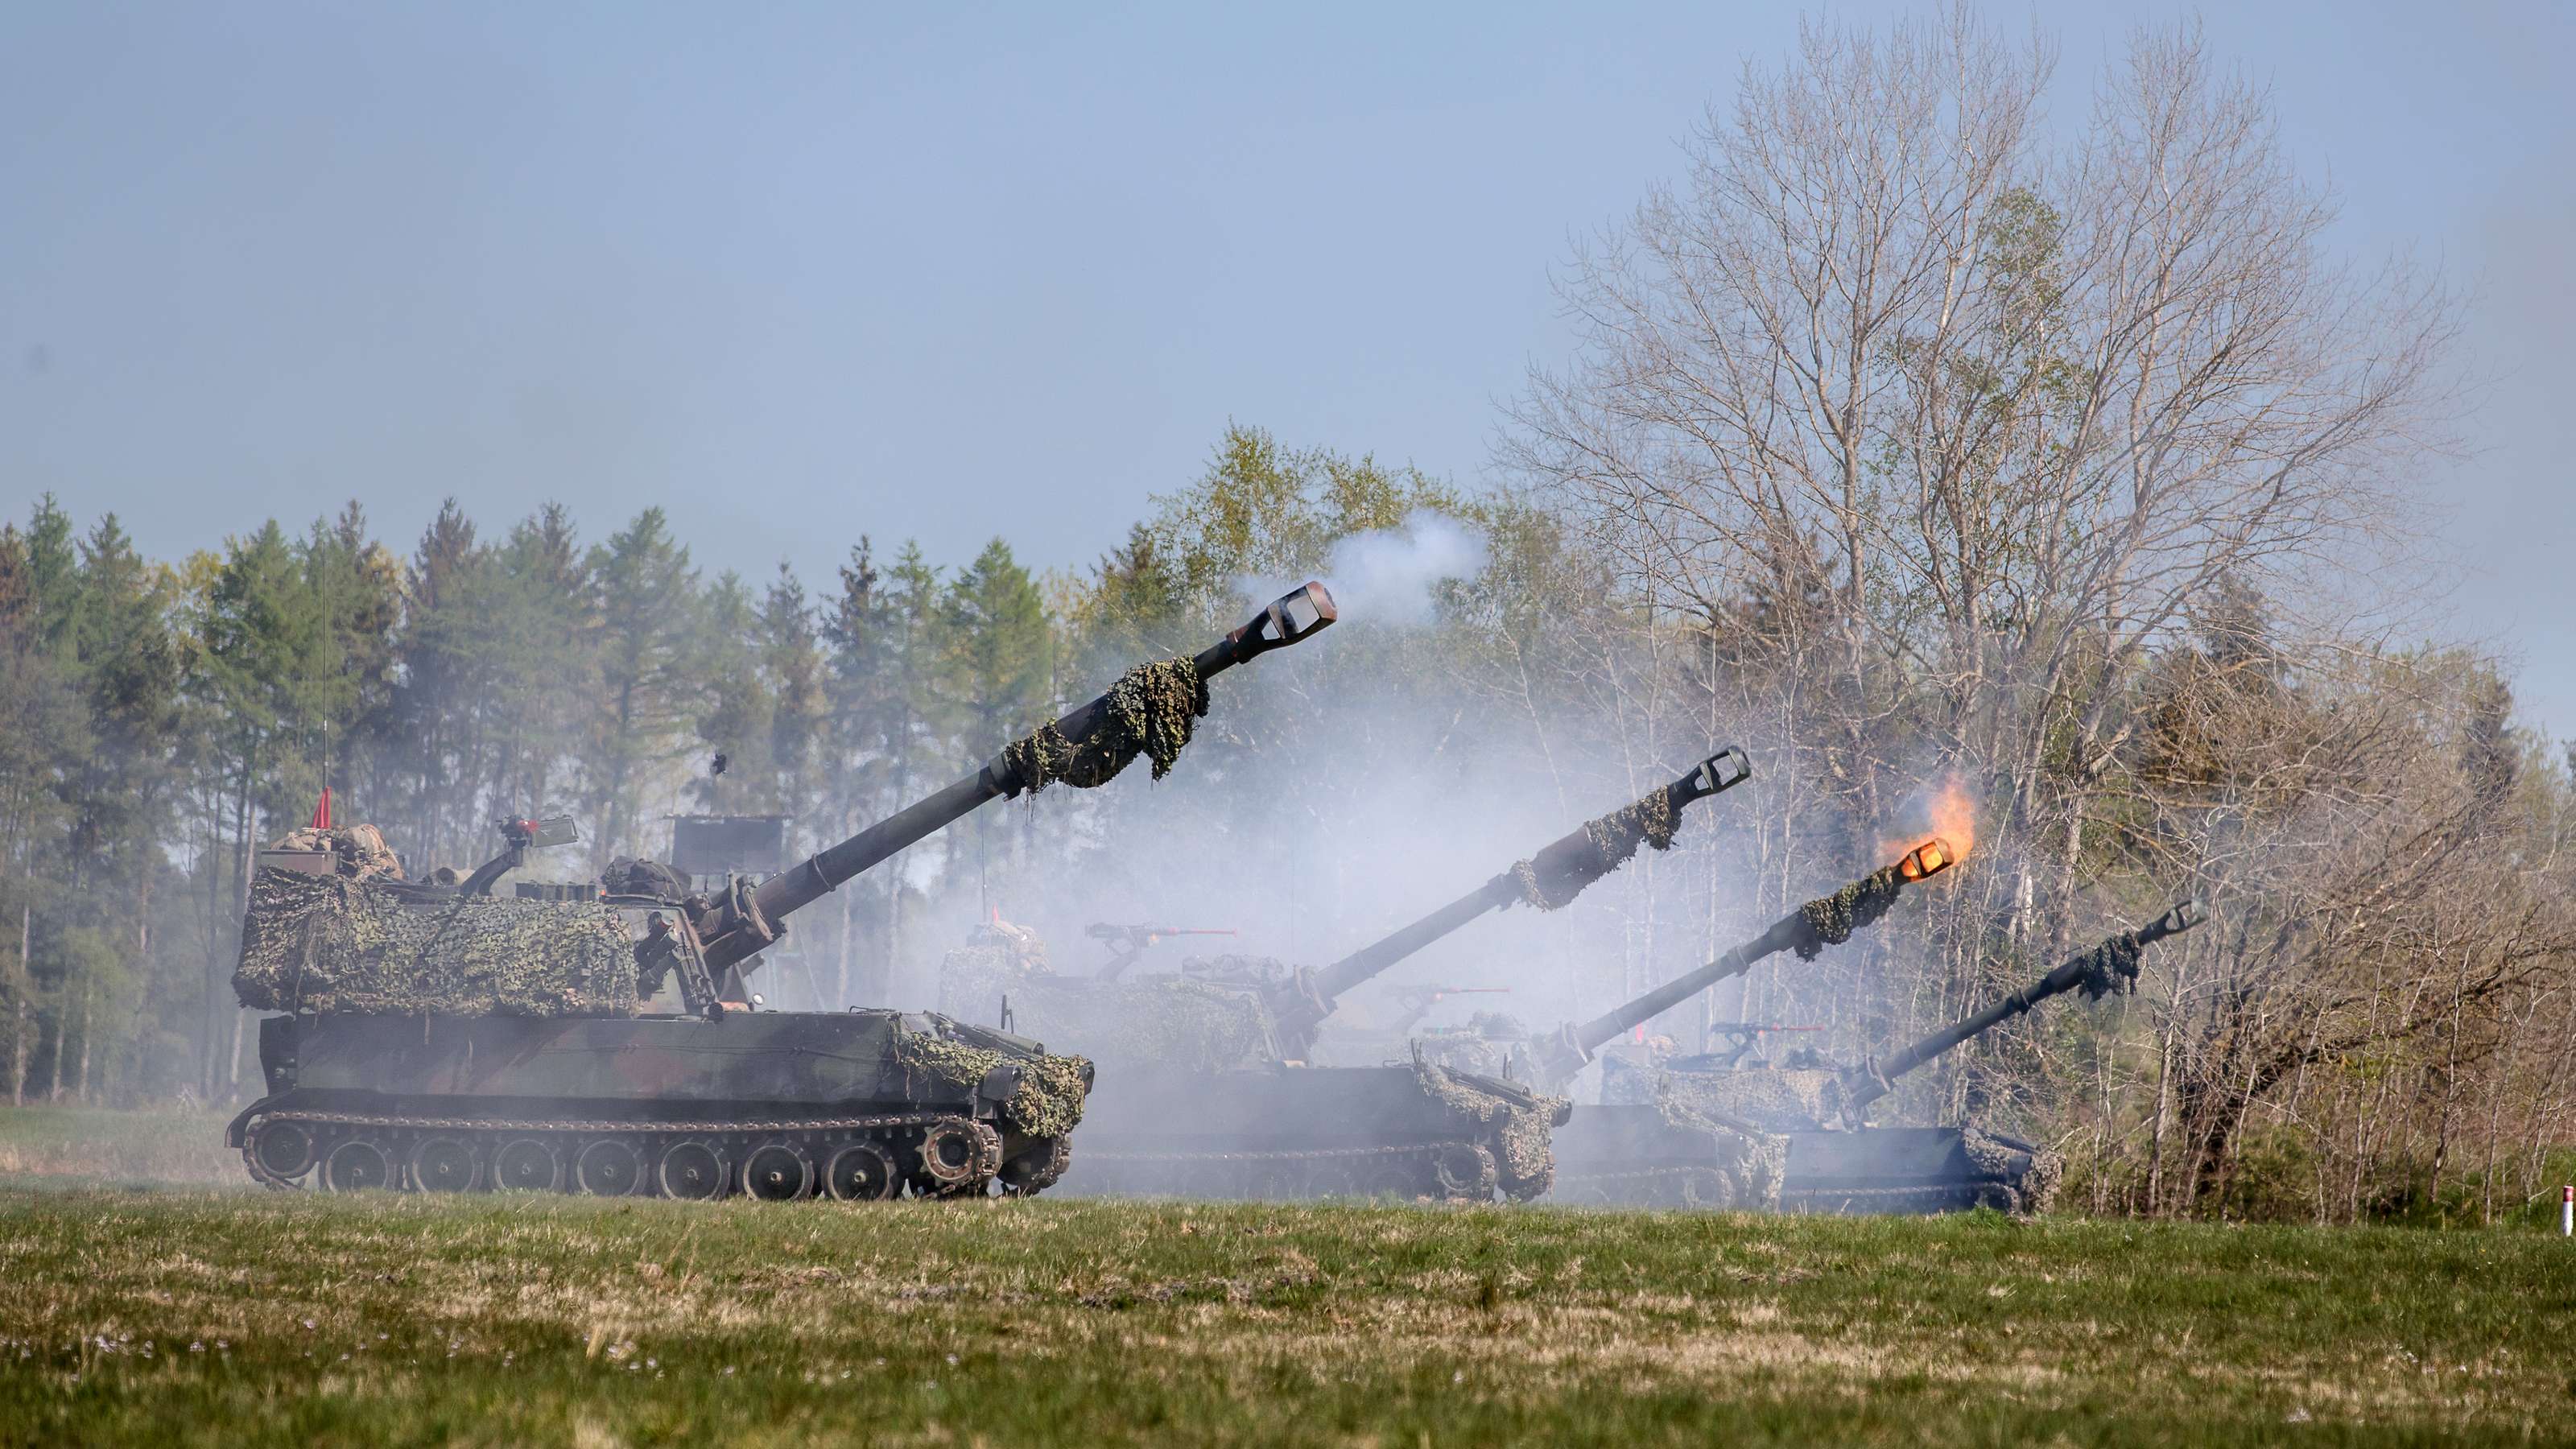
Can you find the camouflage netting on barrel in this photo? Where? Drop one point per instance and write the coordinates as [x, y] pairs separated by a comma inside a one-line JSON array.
[[1518, 1136], [1170, 1021], [2033, 1173], [1614, 838], [1151, 710], [2112, 967], [1047, 1102], [340, 944], [1833, 918]]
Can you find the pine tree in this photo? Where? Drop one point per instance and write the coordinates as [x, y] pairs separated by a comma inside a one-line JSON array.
[[735, 706], [1000, 668], [792, 660], [547, 622], [646, 594]]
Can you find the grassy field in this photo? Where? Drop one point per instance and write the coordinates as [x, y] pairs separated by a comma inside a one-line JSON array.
[[156, 1148], [230, 1316]]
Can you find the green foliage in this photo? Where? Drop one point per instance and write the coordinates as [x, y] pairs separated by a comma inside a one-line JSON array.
[[647, 599], [1000, 675], [1261, 510]]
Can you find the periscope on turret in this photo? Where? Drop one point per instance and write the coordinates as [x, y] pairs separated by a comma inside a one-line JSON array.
[[442, 1037]]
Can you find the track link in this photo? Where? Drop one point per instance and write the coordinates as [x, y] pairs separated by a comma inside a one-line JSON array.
[[1457, 1170], [928, 1154]]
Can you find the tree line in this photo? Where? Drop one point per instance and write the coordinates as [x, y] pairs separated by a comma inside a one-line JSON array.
[[1916, 445]]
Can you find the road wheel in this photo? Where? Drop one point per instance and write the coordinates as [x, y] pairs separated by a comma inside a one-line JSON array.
[[861, 1172], [285, 1149], [777, 1172], [1391, 1177], [444, 1164], [357, 1165], [692, 1168], [526, 1164], [608, 1167], [1998, 1195], [1465, 1172], [1709, 1189], [950, 1154]]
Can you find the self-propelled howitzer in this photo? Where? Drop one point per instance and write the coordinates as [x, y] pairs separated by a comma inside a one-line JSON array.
[[440, 1039], [1208, 1089], [2108, 969], [1825, 921], [1548, 880], [1797, 1139]]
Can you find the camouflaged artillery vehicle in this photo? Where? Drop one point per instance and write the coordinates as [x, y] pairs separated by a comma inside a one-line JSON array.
[[445, 1038], [1797, 1138], [1208, 1087], [1670, 1152], [1492, 1042]]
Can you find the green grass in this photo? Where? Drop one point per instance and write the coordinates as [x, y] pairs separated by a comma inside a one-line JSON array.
[[159, 1148], [243, 1317]]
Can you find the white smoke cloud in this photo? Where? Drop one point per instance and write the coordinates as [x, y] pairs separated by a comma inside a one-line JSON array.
[[1391, 576]]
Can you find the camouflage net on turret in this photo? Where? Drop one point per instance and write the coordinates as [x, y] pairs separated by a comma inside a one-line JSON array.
[[1614, 838], [1152, 709], [1768, 1100], [1164, 1021], [360, 850], [1519, 1136], [1047, 1102], [975, 977], [1208, 1026], [1833, 918], [341, 944]]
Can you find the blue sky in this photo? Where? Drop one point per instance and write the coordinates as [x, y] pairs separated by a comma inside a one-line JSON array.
[[799, 273]]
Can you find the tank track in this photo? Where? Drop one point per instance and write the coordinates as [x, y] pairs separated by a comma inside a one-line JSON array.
[[1715, 1189], [1911, 1199], [930, 1154], [1700, 1186], [1451, 1171]]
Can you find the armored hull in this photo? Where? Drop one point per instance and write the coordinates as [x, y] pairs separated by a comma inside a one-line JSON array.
[[863, 1104], [1641, 1156], [1291, 1131]]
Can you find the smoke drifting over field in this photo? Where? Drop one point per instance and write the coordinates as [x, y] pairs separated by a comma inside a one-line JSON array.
[[1389, 578], [1380, 788]]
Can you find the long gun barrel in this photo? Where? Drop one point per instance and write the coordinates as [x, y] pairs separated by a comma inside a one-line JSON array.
[[1825, 921], [2109, 967], [1083, 748], [1551, 878]]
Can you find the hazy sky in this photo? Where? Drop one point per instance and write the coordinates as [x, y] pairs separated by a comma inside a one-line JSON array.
[[802, 273]]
